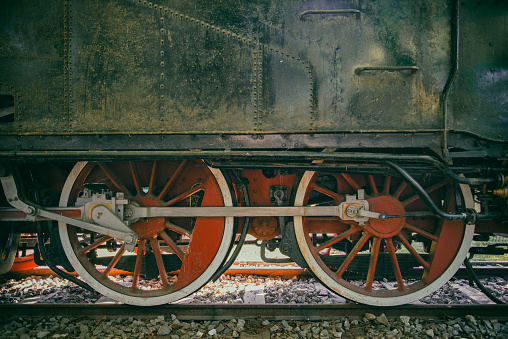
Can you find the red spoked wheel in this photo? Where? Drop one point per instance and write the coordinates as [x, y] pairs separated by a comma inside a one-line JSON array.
[[184, 252], [383, 252]]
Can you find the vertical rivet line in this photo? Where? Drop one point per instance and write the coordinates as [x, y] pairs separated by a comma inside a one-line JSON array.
[[257, 60], [259, 92], [162, 62], [68, 100], [311, 99], [338, 88]]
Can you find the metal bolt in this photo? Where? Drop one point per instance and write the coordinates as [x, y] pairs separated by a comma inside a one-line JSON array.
[[128, 212], [129, 239], [31, 210], [351, 211]]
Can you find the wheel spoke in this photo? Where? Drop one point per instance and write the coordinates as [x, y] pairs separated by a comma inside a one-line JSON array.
[[172, 180], [118, 184], [113, 262], [186, 194], [94, 245], [180, 230], [372, 184], [420, 231], [338, 198], [151, 185], [395, 264], [338, 238], [359, 245], [160, 263], [386, 185], [172, 245], [373, 263], [400, 189], [139, 262], [411, 250], [429, 189], [350, 181], [135, 177]]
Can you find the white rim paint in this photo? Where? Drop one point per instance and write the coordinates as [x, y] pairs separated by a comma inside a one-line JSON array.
[[369, 299], [148, 301]]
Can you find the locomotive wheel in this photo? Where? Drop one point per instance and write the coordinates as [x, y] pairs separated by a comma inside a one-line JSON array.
[[192, 250], [9, 248], [350, 245]]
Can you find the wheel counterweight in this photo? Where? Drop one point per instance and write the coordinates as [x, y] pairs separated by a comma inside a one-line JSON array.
[[381, 250], [174, 257]]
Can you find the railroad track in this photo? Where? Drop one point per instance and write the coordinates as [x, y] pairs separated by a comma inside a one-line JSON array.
[[270, 312], [487, 269]]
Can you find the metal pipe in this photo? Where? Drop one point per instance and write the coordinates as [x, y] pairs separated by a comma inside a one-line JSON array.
[[355, 12], [453, 72], [277, 156], [468, 216], [47, 260], [478, 283]]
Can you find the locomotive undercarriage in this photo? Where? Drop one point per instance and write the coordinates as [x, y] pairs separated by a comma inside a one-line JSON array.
[[176, 221]]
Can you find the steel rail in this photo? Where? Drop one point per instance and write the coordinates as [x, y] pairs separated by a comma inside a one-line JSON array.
[[267, 270], [261, 311]]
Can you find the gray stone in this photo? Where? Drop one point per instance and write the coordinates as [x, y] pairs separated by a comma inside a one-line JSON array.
[[471, 319], [430, 333], [241, 323], [42, 334], [164, 330], [393, 332], [370, 316], [383, 320], [405, 319], [266, 322]]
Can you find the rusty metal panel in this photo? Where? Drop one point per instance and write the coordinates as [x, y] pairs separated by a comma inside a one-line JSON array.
[[479, 96], [32, 65], [131, 67], [140, 67]]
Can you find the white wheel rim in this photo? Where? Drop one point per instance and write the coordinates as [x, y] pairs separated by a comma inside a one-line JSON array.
[[375, 300], [158, 300]]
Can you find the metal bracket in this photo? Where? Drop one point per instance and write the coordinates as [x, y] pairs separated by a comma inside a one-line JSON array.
[[35, 213]]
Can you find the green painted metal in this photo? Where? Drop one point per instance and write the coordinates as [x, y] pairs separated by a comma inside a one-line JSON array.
[[133, 67]]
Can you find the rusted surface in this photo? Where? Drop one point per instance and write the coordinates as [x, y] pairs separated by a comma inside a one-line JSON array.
[[271, 312], [247, 67]]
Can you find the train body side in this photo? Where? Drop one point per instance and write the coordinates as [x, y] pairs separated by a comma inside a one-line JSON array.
[[129, 67]]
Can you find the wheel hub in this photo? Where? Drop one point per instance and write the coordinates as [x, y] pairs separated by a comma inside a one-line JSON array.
[[390, 227], [147, 228]]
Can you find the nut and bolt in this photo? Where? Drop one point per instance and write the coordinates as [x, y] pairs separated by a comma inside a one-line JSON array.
[[128, 212], [129, 239], [351, 211], [31, 210]]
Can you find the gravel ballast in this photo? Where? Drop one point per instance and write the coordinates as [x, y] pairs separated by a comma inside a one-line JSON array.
[[371, 326], [238, 290]]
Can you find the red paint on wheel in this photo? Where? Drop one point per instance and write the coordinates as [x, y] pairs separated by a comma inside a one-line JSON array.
[[205, 241]]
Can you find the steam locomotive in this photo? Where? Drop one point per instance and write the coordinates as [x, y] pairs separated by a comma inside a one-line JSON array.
[[358, 137]]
